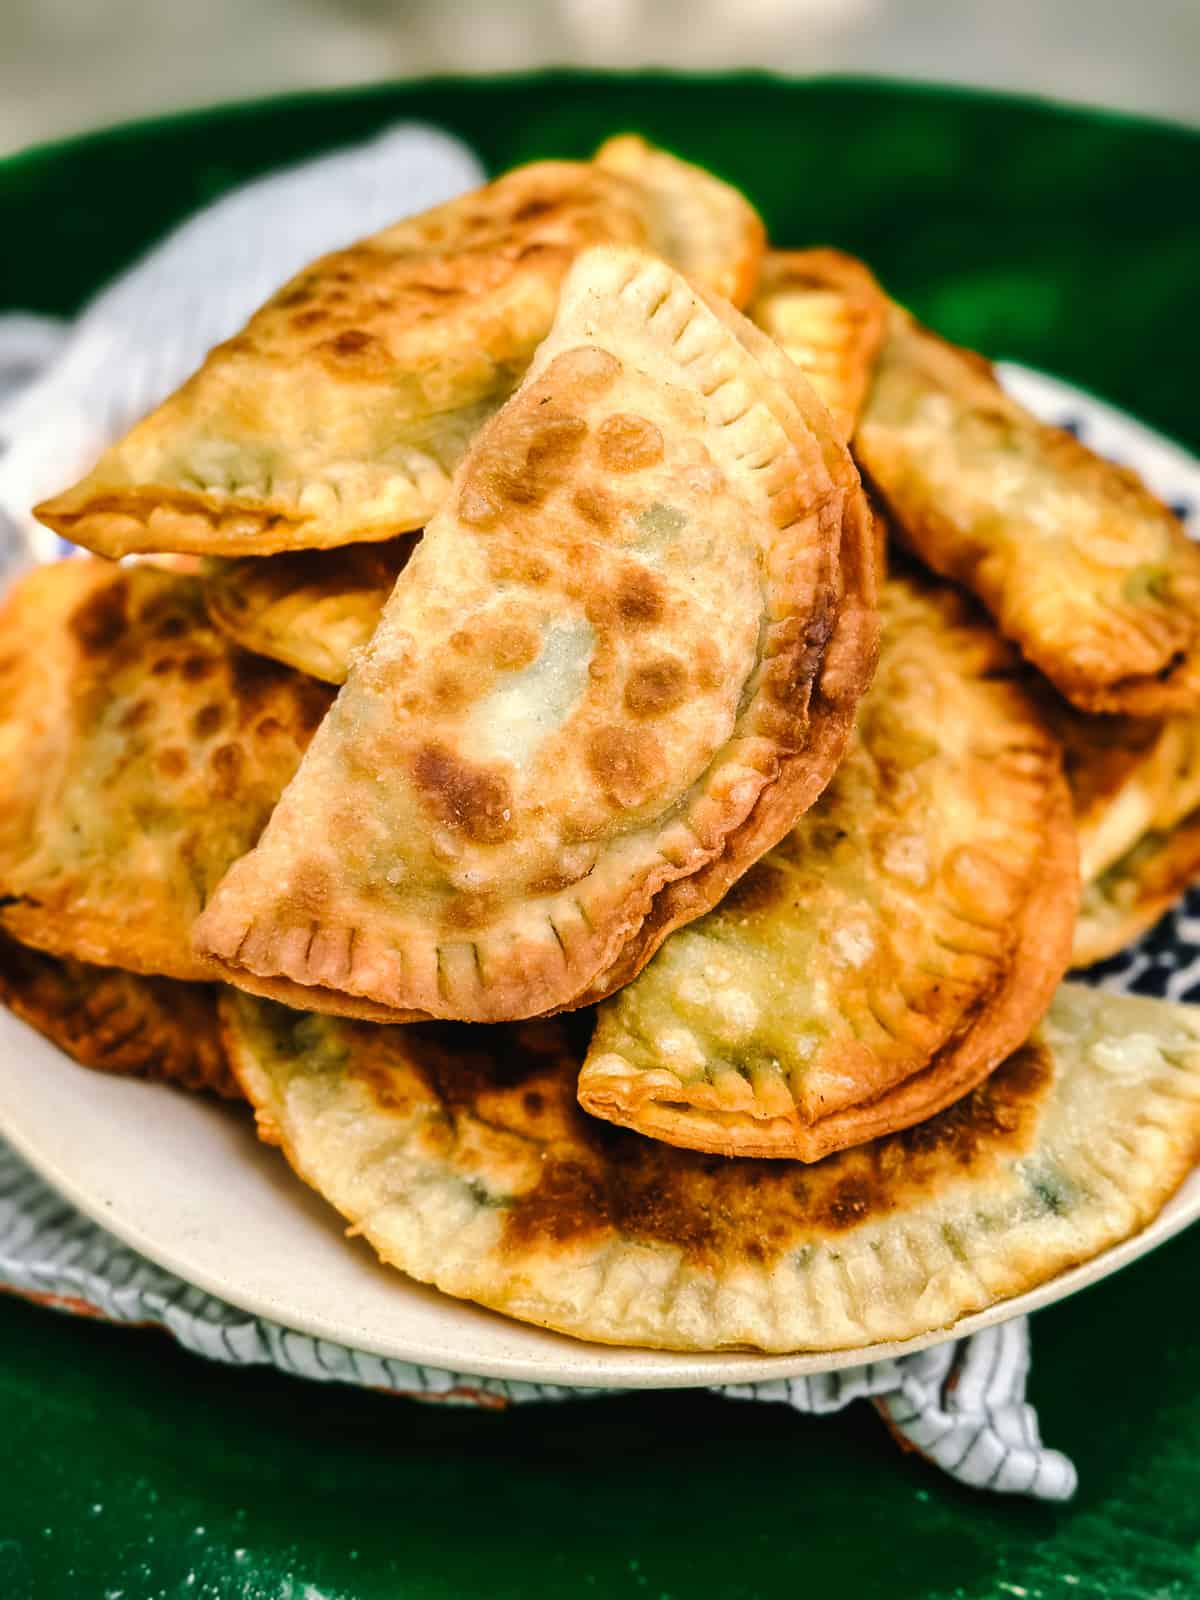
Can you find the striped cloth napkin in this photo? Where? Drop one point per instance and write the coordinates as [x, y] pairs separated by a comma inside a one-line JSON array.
[[65, 391]]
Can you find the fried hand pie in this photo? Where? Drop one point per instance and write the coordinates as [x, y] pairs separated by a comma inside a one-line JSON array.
[[463, 1157], [119, 1022], [619, 664], [900, 941], [140, 754], [1094, 578], [340, 411], [311, 608], [827, 313]]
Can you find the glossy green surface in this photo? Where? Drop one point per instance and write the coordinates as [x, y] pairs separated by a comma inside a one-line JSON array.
[[130, 1470], [1039, 233], [130, 1467]]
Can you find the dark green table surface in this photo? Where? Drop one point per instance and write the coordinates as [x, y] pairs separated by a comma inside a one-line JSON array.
[[128, 1469]]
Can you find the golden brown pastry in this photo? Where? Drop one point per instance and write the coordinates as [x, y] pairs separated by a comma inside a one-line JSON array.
[[118, 1022], [340, 411], [1129, 776], [827, 313], [622, 660], [463, 1157], [1135, 789], [1127, 899], [311, 608], [896, 945], [1091, 575], [139, 755]]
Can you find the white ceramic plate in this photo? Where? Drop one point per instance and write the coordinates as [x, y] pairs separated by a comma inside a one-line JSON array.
[[187, 1185]]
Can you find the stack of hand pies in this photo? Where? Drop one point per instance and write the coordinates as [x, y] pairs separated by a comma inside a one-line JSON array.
[[506, 763]]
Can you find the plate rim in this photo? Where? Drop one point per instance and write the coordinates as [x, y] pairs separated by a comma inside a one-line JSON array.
[[618, 1366]]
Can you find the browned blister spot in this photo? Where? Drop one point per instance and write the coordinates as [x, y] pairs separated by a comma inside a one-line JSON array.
[[624, 761], [597, 508], [310, 889], [848, 1203], [171, 761], [242, 344], [196, 668], [528, 452], [136, 715], [656, 687], [569, 1204], [393, 1091], [513, 646], [533, 209], [467, 912], [448, 692], [551, 444], [519, 566], [207, 720], [354, 353], [100, 620], [226, 763], [296, 294], [629, 443], [471, 800], [639, 597]]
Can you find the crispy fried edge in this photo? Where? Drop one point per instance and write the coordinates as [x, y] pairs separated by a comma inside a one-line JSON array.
[[200, 1063]]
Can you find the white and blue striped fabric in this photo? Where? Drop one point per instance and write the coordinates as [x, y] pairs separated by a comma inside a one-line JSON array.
[[961, 1405], [65, 391]]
